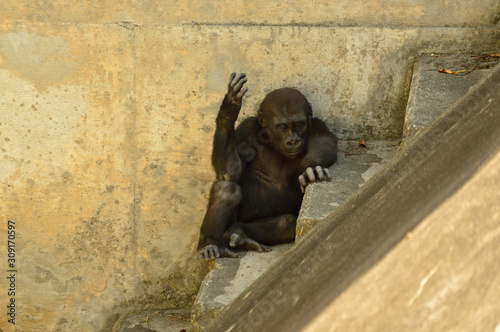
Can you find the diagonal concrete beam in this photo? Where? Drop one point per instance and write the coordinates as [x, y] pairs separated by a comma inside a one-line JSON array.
[[367, 227]]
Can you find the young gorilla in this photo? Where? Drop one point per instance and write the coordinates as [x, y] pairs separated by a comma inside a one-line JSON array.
[[262, 170]]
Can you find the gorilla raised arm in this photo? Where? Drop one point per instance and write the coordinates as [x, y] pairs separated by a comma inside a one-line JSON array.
[[262, 169]]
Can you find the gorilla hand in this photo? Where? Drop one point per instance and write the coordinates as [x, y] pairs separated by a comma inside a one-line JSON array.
[[316, 174], [234, 97]]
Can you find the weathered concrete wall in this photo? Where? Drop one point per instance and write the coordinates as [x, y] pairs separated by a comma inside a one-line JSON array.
[[462, 13], [106, 126]]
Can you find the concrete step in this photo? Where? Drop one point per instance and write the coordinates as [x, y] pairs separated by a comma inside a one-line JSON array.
[[433, 91]]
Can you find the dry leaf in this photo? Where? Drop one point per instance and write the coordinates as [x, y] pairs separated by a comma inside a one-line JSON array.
[[446, 71], [362, 143]]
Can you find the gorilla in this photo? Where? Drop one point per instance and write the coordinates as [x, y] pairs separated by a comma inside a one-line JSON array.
[[262, 169]]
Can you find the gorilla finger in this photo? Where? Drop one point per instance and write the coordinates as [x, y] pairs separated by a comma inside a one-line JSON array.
[[302, 181], [237, 79], [254, 245], [303, 187], [231, 78], [242, 93], [310, 174], [208, 254], [327, 174], [319, 172], [238, 86], [266, 248]]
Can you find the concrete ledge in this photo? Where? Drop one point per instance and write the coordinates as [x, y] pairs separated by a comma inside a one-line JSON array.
[[355, 165], [431, 95]]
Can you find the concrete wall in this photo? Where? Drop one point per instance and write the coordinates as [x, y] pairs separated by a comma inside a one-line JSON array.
[[107, 114]]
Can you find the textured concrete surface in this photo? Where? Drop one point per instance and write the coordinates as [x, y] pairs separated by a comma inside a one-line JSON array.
[[415, 249], [433, 92], [228, 278], [107, 115], [426, 13], [171, 320], [355, 165]]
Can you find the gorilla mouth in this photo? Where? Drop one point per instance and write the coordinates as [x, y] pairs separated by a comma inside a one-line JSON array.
[[292, 153]]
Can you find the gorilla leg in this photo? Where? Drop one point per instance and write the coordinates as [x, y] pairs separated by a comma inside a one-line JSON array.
[[224, 199], [260, 233]]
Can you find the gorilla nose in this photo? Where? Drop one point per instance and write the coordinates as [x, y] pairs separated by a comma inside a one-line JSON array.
[[292, 143]]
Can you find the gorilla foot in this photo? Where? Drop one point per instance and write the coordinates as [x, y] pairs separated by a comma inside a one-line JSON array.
[[213, 251], [238, 239]]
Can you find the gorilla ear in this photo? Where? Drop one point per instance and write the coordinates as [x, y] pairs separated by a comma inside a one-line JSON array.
[[309, 109]]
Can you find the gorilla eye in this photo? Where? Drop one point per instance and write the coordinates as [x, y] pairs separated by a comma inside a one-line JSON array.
[[298, 124], [282, 126]]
